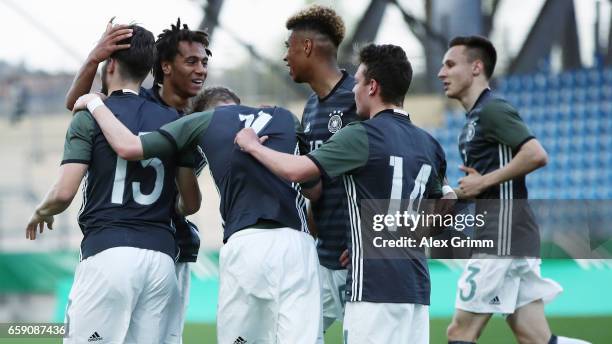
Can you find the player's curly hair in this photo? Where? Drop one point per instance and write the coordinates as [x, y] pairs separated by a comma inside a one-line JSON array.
[[323, 20], [389, 66], [166, 46]]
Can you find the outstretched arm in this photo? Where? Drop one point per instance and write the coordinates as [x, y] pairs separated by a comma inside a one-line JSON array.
[[106, 46], [57, 199], [294, 168]]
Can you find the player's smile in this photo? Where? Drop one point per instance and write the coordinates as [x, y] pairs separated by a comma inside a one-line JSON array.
[[197, 83]]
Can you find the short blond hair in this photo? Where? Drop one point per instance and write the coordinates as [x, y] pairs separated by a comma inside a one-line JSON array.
[[210, 97], [321, 19]]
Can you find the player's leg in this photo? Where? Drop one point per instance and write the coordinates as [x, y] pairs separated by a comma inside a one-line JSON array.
[[529, 322], [333, 290], [183, 277], [102, 297], [299, 315], [486, 287], [466, 326], [529, 325], [157, 304], [248, 288]]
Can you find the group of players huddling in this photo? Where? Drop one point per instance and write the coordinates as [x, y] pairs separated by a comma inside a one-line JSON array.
[[140, 151]]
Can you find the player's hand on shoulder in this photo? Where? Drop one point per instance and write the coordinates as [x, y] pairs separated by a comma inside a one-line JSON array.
[[247, 139], [81, 103], [37, 221]]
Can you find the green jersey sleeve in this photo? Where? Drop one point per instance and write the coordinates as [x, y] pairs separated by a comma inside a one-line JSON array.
[[344, 152], [79, 139], [187, 157], [502, 123], [176, 136]]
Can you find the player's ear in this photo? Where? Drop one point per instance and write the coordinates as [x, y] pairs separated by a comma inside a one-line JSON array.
[[477, 68], [112, 65], [308, 45], [373, 87], [166, 67]]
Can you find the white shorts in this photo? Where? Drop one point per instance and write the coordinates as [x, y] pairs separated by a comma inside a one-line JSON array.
[[333, 291], [376, 323], [502, 285], [269, 288], [122, 295], [177, 318]]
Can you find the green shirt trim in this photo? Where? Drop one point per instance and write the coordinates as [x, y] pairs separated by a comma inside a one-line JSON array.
[[78, 144], [345, 151]]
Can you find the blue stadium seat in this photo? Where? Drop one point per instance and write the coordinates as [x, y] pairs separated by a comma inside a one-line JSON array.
[[568, 80], [570, 114]]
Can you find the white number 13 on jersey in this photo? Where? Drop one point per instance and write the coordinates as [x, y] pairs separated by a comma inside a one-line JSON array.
[[139, 197]]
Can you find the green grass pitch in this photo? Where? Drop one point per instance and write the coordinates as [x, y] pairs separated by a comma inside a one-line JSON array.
[[594, 329]]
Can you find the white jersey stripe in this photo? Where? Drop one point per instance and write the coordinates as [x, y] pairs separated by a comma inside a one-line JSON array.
[[510, 201], [357, 251], [353, 238], [501, 193], [300, 201]]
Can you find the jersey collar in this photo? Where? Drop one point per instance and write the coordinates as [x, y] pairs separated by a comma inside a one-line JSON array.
[[344, 76], [483, 95], [399, 112], [124, 91]]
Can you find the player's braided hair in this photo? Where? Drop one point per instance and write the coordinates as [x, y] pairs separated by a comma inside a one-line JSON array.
[[389, 66], [323, 20], [166, 46]]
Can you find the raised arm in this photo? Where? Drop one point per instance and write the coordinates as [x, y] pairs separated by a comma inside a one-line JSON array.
[[105, 47]]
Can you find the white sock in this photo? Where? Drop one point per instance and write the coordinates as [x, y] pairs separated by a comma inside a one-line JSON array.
[[566, 340]]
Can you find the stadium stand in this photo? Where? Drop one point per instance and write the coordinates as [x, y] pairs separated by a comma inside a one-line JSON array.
[[571, 114]]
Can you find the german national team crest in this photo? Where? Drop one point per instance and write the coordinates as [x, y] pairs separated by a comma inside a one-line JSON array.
[[471, 131], [335, 121]]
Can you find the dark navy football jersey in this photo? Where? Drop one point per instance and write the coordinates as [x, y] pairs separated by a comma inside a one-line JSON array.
[[187, 236], [125, 203], [383, 158], [492, 135], [321, 119], [250, 194]]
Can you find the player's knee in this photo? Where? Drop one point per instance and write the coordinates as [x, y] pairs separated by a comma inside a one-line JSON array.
[[462, 330], [525, 336], [455, 331]]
